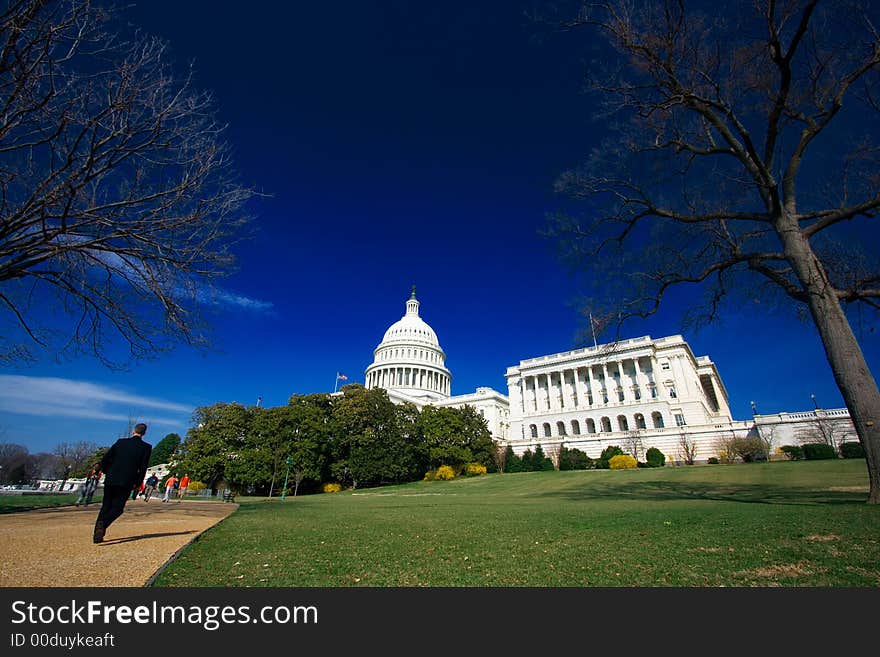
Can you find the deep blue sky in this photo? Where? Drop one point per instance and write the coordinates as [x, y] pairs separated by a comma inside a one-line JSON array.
[[401, 143]]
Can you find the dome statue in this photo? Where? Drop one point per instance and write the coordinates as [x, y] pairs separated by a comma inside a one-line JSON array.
[[409, 359]]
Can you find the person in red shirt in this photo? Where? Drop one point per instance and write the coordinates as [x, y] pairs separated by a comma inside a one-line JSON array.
[[184, 484]]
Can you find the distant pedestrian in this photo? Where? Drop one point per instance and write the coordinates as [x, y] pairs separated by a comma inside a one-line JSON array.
[[150, 485], [170, 485], [184, 484], [89, 486], [124, 466]]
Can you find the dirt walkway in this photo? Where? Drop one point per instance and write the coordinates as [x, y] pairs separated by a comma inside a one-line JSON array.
[[53, 547]]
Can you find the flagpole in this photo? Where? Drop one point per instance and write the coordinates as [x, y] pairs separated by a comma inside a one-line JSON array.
[[336, 383], [593, 329]]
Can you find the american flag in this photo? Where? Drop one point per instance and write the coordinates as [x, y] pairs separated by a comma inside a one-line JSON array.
[[341, 377]]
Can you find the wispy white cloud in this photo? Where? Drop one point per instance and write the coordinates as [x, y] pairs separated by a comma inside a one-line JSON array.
[[49, 396], [224, 298]]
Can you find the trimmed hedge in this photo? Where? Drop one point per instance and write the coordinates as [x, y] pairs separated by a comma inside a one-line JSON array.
[[817, 451], [852, 450]]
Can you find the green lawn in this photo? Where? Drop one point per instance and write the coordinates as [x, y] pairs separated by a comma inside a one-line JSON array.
[[770, 524], [11, 503]]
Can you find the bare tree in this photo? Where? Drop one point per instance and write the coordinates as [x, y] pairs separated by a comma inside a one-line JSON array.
[[725, 444], [687, 448], [118, 203], [742, 159], [499, 454], [824, 430], [633, 443]]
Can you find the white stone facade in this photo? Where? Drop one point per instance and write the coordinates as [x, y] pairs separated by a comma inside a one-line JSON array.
[[636, 394], [643, 392]]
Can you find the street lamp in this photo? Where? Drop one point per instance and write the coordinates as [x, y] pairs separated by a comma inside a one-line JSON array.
[[815, 405], [286, 472], [754, 408]]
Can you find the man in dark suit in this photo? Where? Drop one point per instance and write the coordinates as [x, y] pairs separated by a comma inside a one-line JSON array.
[[124, 466]]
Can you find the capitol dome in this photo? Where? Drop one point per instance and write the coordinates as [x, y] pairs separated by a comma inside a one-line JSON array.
[[409, 359]]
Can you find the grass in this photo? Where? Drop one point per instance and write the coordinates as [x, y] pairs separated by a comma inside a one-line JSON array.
[[767, 524], [12, 503]]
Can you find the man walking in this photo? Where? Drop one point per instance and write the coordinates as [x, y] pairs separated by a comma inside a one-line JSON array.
[[150, 485], [184, 484], [124, 466]]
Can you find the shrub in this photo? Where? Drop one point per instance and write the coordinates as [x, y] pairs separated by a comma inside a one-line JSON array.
[[475, 469], [444, 473], [574, 459], [655, 458], [749, 449], [196, 487], [793, 452], [622, 462], [712, 460], [429, 475], [331, 488], [817, 451], [607, 454], [852, 450]]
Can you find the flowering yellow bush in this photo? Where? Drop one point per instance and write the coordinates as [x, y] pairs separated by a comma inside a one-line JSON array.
[[429, 475], [622, 462], [444, 472], [331, 488], [475, 469], [195, 487]]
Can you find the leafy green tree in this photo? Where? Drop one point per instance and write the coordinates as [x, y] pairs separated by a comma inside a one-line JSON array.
[[455, 436], [164, 449], [214, 443], [369, 445]]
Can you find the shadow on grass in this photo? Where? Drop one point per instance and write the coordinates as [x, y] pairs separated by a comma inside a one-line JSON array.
[[750, 493], [140, 537]]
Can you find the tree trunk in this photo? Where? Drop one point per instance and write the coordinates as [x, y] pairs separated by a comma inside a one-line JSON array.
[[854, 379]]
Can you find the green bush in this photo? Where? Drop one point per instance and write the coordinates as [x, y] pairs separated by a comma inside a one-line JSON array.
[[607, 454], [794, 452], [655, 458], [816, 451], [712, 460], [852, 450], [574, 459]]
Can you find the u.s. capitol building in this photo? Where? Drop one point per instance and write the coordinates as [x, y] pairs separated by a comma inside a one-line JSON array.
[[638, 393]]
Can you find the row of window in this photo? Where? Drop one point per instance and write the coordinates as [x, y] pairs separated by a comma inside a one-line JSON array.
[[421, 354], [604, 425], [602, 394]]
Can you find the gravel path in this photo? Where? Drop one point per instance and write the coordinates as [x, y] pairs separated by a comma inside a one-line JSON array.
[[53, 547]]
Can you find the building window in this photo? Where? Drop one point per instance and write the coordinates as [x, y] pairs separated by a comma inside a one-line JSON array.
[[606, 424], [657, 419], [679, 420], [664, 365], [620, 394], [560, 428], [622, 424], [591, 426], [653, 390], [640, 421], [534, 429], [671, 391], [546, 430], [575, 427], [637, 393]]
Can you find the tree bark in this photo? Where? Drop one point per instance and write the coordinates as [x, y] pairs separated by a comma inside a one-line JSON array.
[[848, 365]]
